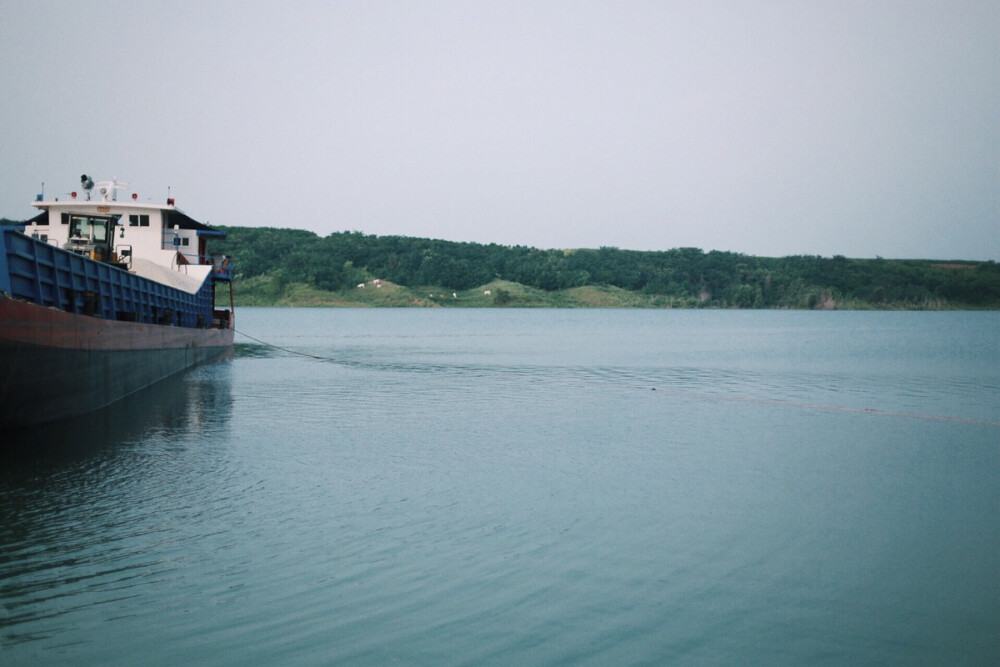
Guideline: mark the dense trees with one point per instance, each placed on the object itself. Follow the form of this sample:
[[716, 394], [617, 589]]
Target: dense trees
[[688, 275]]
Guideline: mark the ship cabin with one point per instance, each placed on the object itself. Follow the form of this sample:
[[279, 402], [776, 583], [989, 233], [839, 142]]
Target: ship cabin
[[131, 235]]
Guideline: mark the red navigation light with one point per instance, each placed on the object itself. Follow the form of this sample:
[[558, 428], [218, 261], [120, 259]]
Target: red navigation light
[[170, 201], [73, 195], [135, 195]]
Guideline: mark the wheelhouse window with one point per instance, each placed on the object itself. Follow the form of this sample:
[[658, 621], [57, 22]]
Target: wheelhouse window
[[138, 220], [87, 227]]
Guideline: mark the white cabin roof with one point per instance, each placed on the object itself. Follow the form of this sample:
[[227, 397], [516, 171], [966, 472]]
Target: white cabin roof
[[176, 216]]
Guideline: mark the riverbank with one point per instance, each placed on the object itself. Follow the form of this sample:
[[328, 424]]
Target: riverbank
[[377, 293], [297, 267]]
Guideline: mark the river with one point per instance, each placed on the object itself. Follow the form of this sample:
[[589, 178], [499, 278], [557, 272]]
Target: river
[[537, 487]]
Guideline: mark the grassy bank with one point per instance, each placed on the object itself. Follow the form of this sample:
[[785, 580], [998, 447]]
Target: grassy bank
[[269, 290]]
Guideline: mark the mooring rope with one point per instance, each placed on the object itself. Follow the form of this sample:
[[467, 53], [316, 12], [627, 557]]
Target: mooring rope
[[734, 398], [284, 349]]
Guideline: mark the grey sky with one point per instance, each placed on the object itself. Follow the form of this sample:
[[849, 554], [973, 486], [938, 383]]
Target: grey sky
[[769, 128]]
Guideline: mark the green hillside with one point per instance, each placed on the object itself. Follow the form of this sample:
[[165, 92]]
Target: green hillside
[[296, 267]]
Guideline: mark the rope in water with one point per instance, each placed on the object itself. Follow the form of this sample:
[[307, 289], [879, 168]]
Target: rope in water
[[284, 349], [734, 398]]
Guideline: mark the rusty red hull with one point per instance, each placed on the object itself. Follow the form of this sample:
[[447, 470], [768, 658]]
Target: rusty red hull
[[55, 365]]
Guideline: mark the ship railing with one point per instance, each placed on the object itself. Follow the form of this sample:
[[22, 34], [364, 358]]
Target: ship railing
[[222, 265]]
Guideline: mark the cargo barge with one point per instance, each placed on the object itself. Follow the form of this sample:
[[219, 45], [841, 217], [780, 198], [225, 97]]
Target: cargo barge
[[100, 298]]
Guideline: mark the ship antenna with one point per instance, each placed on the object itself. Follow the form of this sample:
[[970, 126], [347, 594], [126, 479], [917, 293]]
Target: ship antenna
[[109, 189]]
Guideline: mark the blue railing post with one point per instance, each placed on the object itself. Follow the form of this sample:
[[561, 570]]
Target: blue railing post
[[4, 264]]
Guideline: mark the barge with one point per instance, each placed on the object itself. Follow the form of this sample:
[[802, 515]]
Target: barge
[[100, 298]]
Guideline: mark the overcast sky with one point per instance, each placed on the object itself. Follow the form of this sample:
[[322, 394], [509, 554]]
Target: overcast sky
[[767, 128]]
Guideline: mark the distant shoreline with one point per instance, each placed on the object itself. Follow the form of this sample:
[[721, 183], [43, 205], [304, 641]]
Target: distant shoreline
[[384, 294], [276, 266]]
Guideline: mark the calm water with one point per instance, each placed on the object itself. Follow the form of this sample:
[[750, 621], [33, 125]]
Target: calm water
[[526, 487]]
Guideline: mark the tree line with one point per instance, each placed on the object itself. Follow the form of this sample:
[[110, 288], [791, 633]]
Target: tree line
[[687, 275]]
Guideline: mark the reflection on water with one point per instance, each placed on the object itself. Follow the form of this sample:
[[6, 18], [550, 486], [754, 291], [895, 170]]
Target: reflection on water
[[253, 350], [73, 496], [180, 403]]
